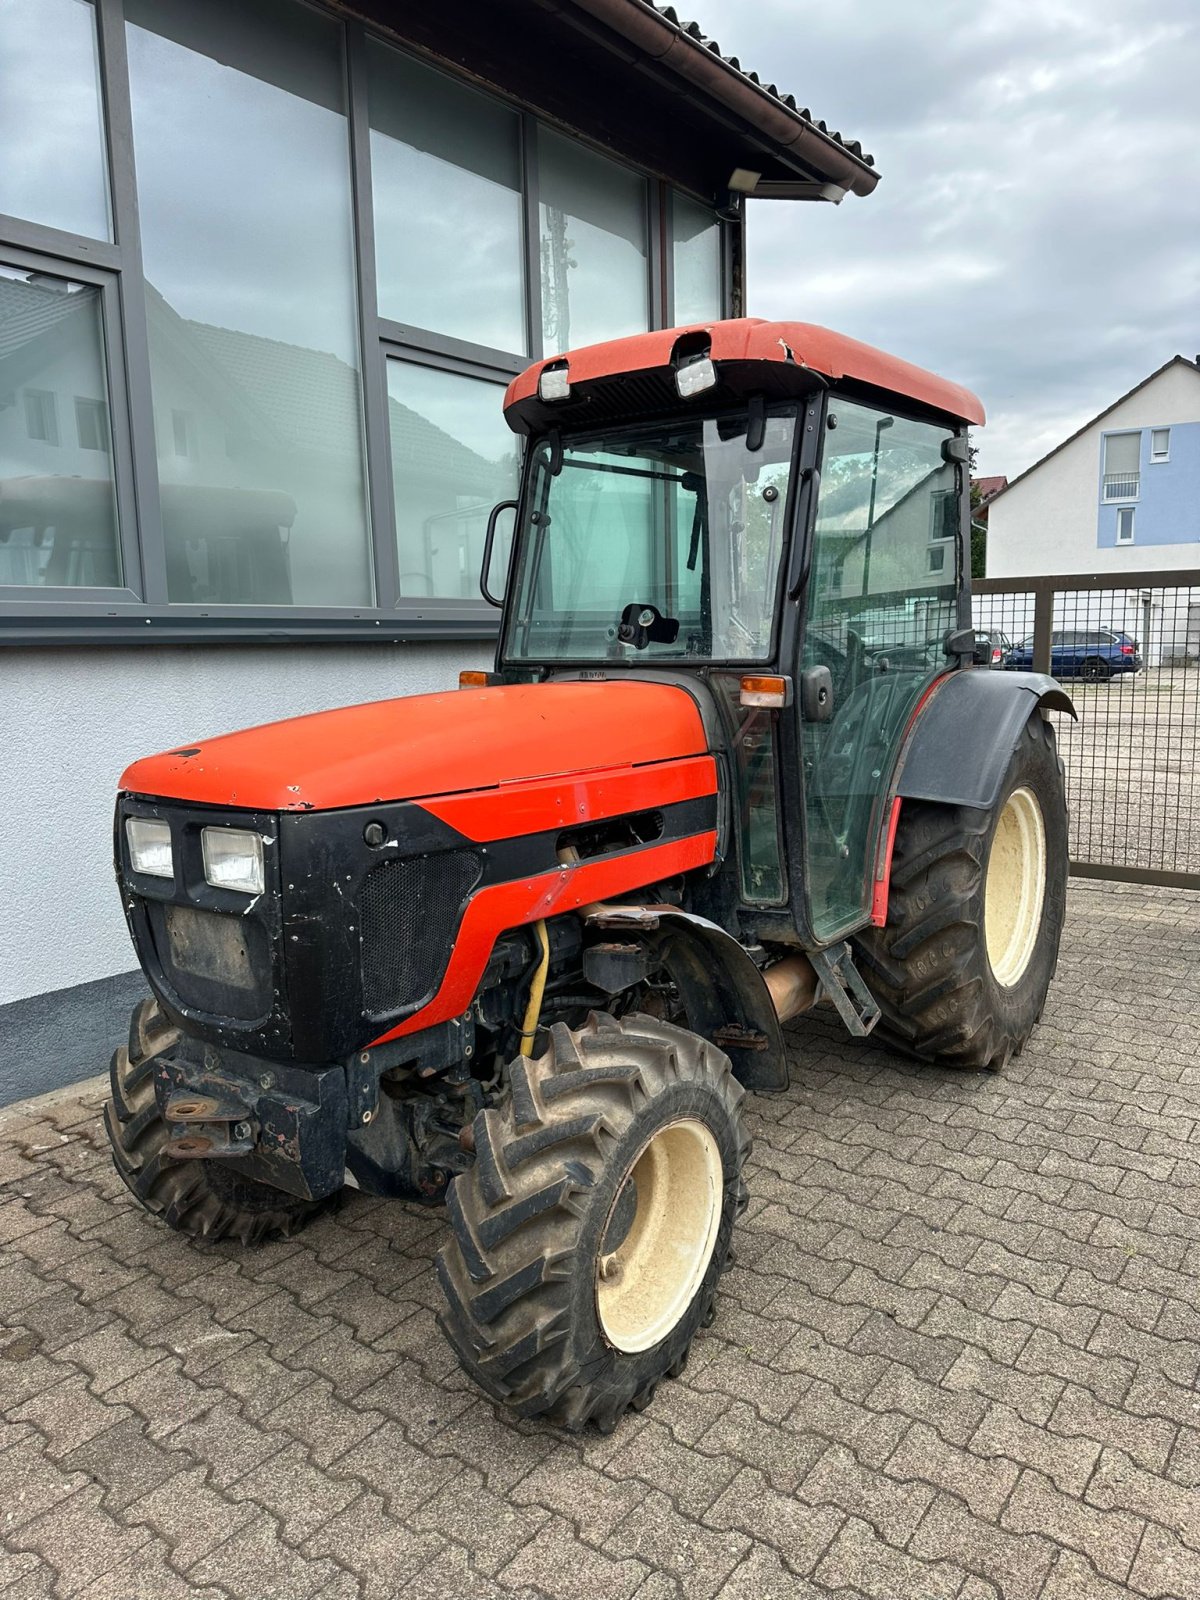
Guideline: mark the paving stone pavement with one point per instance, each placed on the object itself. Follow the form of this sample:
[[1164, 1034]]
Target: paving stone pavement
[[956, 1357]]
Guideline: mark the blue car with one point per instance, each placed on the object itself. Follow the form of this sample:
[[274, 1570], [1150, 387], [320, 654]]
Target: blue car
[[1096, 654]]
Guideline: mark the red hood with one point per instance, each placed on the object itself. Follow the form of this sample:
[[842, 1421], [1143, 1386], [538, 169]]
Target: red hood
[[428, 744]]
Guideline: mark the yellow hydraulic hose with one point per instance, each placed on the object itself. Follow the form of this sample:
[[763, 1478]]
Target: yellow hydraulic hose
[[536, 990]]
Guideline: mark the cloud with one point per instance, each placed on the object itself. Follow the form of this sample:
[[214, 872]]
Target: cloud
[[1036, 234]]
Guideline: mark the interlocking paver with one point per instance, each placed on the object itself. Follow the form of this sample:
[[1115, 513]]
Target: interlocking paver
[[956, 1355]]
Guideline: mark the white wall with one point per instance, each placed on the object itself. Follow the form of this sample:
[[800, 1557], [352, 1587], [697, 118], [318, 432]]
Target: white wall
[[1045, 523], [70, 722]]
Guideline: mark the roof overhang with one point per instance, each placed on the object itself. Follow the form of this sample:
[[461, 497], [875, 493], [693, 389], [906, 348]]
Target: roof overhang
[[625, 74]]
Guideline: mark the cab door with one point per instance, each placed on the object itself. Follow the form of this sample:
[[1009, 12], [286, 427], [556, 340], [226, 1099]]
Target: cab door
[[881, 592]]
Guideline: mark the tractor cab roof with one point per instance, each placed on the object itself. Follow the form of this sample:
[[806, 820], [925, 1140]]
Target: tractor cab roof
[[636, 375]]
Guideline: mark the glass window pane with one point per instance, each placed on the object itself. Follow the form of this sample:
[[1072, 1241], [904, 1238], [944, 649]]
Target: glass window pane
[[244, 185], [58, 509], [55, 167], [696, 258], [880, 596], [453, 458], [1122, 452], [594, 251], [446, 180], [680, 519]]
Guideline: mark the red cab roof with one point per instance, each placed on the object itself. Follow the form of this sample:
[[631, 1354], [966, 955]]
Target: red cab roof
[[803, 344]]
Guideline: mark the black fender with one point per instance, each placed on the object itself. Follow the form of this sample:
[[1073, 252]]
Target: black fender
[[723, 992], [965, 734]]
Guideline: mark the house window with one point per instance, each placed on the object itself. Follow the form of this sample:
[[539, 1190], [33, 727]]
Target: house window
[[252, 322], [449, 225], [50, 112], [1125, 525], [695, 261], [91, 425], [183, 432], [943, 529], [1160, 444], [59, 523], [594, 246], [453, 458], [41, 416], [1122, 461]]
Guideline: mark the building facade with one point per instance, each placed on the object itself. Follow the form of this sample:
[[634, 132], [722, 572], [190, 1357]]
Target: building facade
[[1121, 495], [265, 269]]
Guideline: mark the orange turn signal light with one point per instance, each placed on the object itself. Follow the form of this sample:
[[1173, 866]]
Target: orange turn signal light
[[772, 692], [473, 680]]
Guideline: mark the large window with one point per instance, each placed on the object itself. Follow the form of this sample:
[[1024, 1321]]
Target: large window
[[696, 261], [594, 246], [446, 171], [250, 302], [453, 458], [264, 278], [54, 167], [58, 508]]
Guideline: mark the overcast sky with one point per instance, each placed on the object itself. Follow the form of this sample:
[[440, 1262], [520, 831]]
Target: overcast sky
[[1036, 234]]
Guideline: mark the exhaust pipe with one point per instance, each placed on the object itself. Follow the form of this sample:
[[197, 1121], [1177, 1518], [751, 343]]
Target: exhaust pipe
[[793, 986]]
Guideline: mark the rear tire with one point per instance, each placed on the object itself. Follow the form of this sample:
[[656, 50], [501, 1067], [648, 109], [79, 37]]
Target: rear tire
[[975, 915], [201, 1198], [575, 1284], [1096, 670]]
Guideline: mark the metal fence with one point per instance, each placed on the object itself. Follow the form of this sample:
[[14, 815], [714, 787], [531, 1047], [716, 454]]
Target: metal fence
[[1127, 650]]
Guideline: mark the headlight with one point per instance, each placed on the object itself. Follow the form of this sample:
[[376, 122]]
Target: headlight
[[695, 376], [149, 847], [233, 859]]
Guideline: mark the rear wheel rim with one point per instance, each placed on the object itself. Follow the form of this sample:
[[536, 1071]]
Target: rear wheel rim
[[1016, 887], [648, 1276]]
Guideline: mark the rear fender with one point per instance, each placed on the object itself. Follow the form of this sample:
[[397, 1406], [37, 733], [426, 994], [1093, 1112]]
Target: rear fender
[[965, 734], [722, 990]]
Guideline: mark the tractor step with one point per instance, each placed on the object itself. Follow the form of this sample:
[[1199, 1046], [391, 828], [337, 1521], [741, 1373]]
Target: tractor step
[[842, 982]]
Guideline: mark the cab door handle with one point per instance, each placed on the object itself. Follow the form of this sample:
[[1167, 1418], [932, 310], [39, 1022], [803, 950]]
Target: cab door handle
[[810, 485]]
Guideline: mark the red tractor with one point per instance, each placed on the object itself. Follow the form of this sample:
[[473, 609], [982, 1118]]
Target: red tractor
[[520, 948]]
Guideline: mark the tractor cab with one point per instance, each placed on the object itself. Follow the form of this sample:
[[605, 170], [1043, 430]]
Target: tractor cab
[[779, 516]]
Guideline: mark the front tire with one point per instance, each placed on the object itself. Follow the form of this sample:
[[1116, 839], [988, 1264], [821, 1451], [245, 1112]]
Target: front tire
[[201, 1198], [975, 915], [592, 1230]]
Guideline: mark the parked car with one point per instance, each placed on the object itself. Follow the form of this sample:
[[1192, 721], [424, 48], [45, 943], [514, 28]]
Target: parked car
[[1096, 654], [1001, 645]]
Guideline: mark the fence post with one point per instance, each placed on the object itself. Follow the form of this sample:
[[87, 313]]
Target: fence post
[[1043, 626]]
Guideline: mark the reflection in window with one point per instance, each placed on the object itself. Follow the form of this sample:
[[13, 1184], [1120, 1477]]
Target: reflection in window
[[50, 111], [91, 424], [593, 246], [881, 594], [453, 458], [58, 513], [41, 416], [244, 190], [696, 260], [446, 179]]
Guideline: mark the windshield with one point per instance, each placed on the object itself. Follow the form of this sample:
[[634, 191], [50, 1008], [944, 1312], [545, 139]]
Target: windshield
[[656, 542]]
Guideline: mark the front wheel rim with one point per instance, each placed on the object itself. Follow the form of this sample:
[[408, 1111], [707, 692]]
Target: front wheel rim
[[1016, 887], [648, 1277]]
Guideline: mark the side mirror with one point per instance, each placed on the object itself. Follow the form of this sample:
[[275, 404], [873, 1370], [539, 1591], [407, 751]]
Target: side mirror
[[485, 573]]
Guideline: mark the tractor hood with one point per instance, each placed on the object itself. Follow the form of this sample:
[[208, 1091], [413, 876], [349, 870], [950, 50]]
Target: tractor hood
[[429, 744]]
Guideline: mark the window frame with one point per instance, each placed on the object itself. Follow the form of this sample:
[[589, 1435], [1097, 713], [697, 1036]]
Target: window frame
[[140, 611], [1131, 512], [1154, 459]]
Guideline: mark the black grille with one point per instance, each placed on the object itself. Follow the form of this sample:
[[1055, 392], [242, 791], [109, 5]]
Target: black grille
[[410, 911]]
